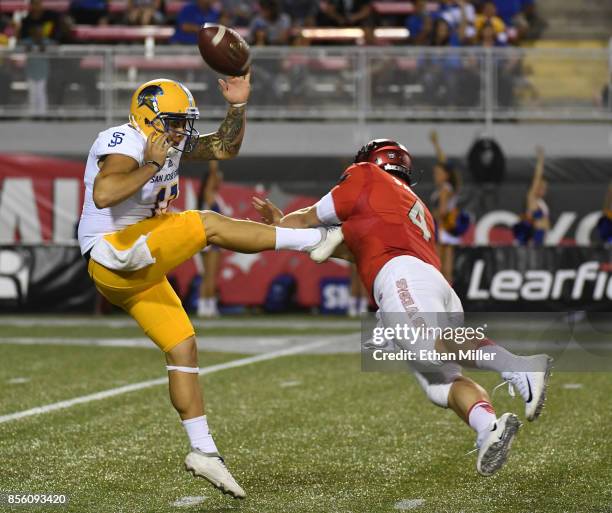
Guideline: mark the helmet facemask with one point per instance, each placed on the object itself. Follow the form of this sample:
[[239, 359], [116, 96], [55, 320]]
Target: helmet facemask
[[179, 124]]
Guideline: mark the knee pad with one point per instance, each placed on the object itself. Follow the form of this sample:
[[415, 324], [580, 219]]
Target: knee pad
[[436, 392]]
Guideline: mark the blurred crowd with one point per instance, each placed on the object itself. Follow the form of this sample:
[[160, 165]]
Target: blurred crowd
[[278, 22], [436, 79]]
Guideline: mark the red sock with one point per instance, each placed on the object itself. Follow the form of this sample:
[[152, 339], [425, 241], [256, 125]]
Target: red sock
[[481, 415], [485, 342]]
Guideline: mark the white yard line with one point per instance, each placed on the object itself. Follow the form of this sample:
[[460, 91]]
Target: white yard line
[[188, 501], [227, 344], [112, 392], [336, 344], [258, 344], [224, 322], [406, 504]]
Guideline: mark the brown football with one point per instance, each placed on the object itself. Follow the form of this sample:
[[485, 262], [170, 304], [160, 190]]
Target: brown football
[[224, 50]]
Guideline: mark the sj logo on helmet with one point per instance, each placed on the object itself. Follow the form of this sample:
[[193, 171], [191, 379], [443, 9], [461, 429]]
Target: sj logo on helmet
[[148, 97]]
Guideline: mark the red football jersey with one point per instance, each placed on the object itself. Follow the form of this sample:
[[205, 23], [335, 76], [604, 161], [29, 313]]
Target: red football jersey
[[382, 218]]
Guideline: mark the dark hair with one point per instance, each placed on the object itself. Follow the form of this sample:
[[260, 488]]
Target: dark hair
[[434, 32], [271, 5]]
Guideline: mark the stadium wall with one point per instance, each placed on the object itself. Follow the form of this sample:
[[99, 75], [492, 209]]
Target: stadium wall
[[336, 139], [52, 278]]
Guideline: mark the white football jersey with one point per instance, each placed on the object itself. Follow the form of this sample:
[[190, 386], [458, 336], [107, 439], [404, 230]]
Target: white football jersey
[[152, 199]]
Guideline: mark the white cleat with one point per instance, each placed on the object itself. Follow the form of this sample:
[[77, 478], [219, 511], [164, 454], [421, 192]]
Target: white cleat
[[211, 467], [494, 448], [531, 384], [331, 238]]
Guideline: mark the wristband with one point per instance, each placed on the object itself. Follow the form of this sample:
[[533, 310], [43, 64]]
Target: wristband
[[238, 105], [156, 164]]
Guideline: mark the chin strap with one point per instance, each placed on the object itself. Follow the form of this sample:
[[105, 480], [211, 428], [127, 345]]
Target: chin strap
[[189, 370]]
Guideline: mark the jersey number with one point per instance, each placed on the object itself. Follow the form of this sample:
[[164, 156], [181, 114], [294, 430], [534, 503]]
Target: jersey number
[[163, 200], [417, 216]]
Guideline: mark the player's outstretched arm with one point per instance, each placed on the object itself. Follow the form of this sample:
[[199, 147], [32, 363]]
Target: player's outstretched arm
[[226, 141], [303, 218], [435, 140], [271, 214], [538, 176]]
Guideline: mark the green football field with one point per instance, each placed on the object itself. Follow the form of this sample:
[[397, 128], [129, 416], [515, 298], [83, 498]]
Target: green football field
[[302, 432]]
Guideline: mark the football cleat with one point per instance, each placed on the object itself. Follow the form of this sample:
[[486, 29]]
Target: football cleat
[[211, 467], [531, 384], [493, 449], [331, 238]]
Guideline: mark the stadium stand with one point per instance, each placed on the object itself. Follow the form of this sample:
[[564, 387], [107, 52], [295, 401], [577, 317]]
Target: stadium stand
[[412, 21], [568, 19]]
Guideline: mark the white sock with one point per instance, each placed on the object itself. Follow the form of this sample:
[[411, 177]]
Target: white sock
[[199, 436], [501, 360], [297, 239], [363, 305], [212, 305], [202, 306], [352, 306], [480, 418]]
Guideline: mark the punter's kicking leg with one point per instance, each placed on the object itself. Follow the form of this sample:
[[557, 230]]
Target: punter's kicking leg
[[251, 237]]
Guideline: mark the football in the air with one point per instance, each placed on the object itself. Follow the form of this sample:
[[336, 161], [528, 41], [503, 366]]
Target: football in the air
[[224, 50]]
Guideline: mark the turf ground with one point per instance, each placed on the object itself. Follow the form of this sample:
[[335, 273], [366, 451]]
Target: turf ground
[[303, 433]]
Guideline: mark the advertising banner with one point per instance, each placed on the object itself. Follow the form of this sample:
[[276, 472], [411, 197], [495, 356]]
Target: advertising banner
[[534, 279]]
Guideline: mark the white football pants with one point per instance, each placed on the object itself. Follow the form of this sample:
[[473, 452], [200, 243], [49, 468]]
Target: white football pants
[[406, 287]]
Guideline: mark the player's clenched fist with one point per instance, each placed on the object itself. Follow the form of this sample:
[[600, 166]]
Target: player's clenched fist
[[157, 148]]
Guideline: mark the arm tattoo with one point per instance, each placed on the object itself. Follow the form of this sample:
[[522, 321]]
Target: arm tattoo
[[225, 142]]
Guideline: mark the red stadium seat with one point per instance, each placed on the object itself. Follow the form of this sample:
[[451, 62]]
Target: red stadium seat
[[165, 62], [118, 33], [393, 8], [353, 34], [399, 8], [115, 33], [317, 63], [174, 7], [9, 6], [406, 63], [22, 5]]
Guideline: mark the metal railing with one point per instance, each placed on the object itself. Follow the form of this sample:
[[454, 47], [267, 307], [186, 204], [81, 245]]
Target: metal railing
[[326, 83]]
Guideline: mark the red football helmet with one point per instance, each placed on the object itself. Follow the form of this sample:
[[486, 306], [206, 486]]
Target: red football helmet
[[389, 155]]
